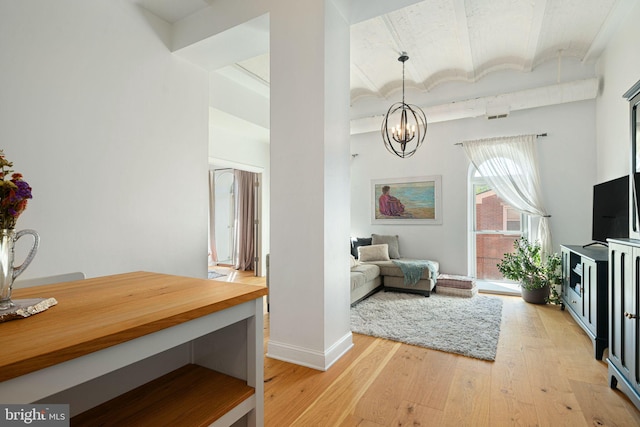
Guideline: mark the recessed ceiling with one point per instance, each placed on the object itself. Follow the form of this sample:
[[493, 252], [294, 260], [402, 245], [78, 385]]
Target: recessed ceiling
[[456, 47], [455, 40]]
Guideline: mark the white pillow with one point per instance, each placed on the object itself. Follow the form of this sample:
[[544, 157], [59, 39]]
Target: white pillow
[[373, 253], [354, 262]]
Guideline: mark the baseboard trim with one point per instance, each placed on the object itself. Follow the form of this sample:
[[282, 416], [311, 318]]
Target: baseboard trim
[[320, 361]]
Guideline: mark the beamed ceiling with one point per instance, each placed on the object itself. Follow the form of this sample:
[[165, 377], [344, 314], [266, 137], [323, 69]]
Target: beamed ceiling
[[467, 57]]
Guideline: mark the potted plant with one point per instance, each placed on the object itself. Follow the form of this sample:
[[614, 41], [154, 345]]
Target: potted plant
[[537, 277]]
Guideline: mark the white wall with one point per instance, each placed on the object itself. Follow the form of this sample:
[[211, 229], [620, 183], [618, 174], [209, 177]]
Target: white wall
[[620, 68], [110, 130], [567, 163]]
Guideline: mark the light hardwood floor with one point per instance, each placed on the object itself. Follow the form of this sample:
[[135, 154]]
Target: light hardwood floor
[[544, 375]]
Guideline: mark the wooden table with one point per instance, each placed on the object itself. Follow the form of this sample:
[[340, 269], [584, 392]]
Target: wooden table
[[162, 346]]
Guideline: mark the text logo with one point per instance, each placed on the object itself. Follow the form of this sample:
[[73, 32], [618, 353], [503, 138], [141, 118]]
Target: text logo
[[34, 415]]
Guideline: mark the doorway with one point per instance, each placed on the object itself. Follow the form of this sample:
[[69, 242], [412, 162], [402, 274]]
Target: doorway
[[234, 219]]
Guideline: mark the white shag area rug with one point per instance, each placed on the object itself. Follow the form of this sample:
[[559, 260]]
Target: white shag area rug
[[466, 326]]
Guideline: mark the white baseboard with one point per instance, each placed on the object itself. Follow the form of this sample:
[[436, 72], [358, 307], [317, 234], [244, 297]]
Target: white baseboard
[[321, 361]]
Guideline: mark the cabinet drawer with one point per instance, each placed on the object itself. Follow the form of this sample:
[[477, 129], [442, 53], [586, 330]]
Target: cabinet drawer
[[573, 300]]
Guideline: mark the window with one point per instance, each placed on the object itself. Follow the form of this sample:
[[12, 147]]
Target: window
[[495, 225]]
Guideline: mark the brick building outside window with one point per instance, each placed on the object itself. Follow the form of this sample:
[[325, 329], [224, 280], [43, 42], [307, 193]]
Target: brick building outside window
[[497, 226]]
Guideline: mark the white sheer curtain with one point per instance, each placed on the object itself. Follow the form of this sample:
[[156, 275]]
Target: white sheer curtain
[[510, 166]]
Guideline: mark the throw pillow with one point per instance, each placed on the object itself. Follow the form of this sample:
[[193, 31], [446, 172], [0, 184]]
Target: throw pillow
[[354, 262], [373, 253], [357, 242], [392, 241]]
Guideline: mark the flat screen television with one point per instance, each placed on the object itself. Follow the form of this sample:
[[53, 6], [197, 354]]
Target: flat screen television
[[610, 210]]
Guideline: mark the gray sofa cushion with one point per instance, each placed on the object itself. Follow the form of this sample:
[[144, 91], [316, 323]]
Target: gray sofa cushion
[[357, 280], [392, 241], [365, 279], [368, 271]]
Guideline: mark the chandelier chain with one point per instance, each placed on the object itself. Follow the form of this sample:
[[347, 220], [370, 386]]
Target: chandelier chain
[[403, 82]]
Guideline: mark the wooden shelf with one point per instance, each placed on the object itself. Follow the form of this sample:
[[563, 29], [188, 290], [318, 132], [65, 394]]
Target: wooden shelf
[[191, 395]]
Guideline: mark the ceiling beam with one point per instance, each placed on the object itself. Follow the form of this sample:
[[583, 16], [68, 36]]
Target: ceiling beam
[[463, 36], [220, 16], [414, 74], [579, 90], [356, 11], [534, 34], [244, 41]]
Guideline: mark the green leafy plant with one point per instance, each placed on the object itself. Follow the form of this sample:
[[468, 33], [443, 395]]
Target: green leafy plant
[[526, 266]]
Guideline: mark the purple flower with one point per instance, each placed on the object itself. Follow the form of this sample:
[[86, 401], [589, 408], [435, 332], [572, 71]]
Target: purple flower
[[24, 190]]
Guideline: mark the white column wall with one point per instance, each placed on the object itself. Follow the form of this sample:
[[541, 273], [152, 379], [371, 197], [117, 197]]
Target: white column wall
[[307, 125], [337, 196]]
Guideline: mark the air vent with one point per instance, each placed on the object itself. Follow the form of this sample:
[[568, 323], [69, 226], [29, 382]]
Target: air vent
[[497, 116]]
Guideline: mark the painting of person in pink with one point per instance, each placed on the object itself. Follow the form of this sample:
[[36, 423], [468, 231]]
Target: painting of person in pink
[[390, 205]]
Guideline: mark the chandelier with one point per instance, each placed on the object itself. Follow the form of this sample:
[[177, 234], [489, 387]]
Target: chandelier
[[404, 138]]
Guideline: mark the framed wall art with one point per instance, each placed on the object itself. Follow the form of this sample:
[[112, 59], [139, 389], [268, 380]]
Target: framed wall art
[[415, 200]]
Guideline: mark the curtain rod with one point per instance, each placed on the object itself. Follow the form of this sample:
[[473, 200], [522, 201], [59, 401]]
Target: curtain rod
[[537, 136]]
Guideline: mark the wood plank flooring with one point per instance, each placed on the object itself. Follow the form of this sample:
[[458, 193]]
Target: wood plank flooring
[[544, 375], [232, 275]]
